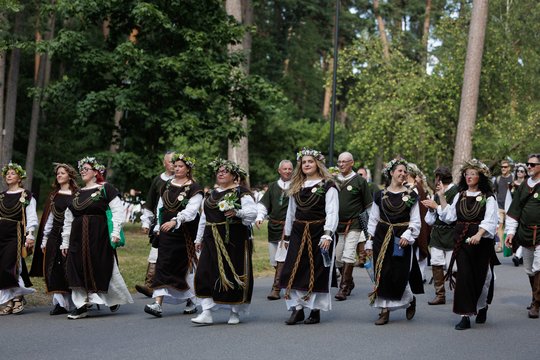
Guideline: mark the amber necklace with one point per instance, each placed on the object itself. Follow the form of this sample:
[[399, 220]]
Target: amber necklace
[[9, 212]]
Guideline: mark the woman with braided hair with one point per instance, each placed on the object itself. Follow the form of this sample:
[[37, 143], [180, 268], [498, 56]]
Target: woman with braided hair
[[18, 220], [475, 209], [394, 224], [64, 187], [91, 264], [310, 225], [178, 209], [224, 277]]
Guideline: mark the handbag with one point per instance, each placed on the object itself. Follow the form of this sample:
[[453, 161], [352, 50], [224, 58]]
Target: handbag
[[110, 227]]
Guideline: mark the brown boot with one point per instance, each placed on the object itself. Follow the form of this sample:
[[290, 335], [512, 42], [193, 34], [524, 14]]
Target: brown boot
[[275, 292], [345, 286], [146, 289], [384, 316], [438, 281], [531, 282], [535, 307], [361, 253]]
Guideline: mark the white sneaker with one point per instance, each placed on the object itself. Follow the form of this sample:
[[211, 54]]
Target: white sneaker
[[153, 309], [205, 318], [233, 319]]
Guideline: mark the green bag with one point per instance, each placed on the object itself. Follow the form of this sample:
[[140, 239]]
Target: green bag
[[506, 250], [110, 226]]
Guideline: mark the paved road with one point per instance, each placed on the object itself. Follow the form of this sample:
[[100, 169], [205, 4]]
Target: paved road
[[347, 332]]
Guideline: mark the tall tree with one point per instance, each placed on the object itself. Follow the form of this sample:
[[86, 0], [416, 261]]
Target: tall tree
[[471, 85]]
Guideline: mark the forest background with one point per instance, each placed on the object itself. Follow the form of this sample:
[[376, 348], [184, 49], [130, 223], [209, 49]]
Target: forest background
[[126, 80]]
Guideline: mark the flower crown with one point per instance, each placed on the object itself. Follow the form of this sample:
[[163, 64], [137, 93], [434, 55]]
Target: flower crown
[[392, 164], [190, 162], [476, 165], [16, 167], [310, 152], [93, 162], [230, 166]]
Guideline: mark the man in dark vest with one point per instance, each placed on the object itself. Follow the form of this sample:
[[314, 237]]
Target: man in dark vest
[[273, 205], [148, 220], [442, 234], [355, 197], [523, 225]]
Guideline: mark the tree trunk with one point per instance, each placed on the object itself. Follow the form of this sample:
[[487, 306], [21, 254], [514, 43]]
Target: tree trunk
[[11, 96], [425, 33], [2, 91], [242, 11], [382, 30], [328, 91], [471, 84]]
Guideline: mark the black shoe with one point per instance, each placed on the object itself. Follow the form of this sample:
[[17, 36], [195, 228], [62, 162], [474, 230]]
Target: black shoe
[[481, 316], [314, 317], [58, 310], [411, 310], [515, 260], [79, 313], [464, 324], [296, 316], [114, 308]]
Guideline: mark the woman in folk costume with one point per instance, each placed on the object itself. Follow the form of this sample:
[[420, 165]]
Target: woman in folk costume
[[394, 224], [475, 209], [310, 225], [18, 220], [224, 277], [178, 209], [54, 264], [92, 269]]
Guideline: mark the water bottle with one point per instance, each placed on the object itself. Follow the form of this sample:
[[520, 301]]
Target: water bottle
[[368, 265], [326, 257]]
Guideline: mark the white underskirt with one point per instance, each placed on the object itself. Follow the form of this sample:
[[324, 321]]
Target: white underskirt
[[391, 305], [63, 300], [209, 304], [317, 301], [12, 293], [173, 296], [117, 294]]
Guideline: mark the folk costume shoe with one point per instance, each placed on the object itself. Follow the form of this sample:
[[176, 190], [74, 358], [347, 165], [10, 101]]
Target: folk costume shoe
[[78, 313], [438, 281], [275, 292], [411, 310], [296, 317], [205, 318], [146, 289], [464, 324], [384, 317], [314, 317], [481, 317]]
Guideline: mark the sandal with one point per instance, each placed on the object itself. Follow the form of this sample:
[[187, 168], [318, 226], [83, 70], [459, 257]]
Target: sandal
[[18, 306], [7, 309]]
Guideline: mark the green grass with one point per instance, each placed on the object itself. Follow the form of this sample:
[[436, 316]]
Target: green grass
[[133, 261]]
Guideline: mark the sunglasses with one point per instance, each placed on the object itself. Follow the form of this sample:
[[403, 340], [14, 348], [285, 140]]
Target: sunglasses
[[505, 166], [521, 171], [532, 164]]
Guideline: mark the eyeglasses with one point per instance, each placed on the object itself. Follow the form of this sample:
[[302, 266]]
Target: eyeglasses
[[343, 162], [85, 169], [532, 164]]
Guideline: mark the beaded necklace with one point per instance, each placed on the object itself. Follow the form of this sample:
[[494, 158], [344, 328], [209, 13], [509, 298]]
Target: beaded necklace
[[470, 213], [9, 212], [81, 205], [213, 203], [176, 203], [316, 192], [391, 209]]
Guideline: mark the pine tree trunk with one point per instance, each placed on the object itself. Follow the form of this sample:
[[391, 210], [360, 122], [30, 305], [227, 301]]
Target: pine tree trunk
[[382, 30], [11, 96], [471, 85], [425, 32], [242, 11]]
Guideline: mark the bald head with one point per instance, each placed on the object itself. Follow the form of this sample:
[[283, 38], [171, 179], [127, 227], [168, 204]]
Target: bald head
[[345, 163]]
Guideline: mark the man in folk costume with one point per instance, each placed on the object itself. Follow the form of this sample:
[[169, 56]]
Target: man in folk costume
[[523, 226], [442, 234], [148, 220], [274, 205], [354, 198]]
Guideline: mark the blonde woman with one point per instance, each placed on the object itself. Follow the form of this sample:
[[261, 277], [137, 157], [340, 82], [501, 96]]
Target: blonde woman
[[310, 225]]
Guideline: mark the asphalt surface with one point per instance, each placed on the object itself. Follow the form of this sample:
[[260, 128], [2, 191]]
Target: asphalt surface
[[346, 332]]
